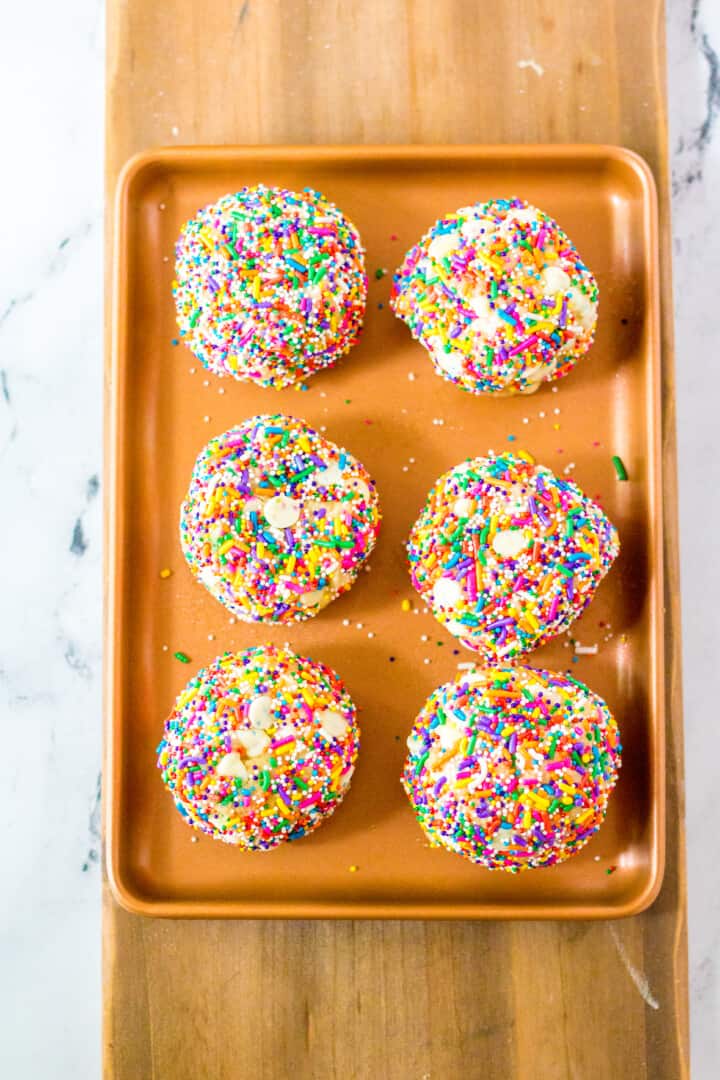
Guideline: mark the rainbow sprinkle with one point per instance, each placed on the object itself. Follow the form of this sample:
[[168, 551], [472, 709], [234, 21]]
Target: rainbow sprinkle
[[270, 285], [512, 767], [278, 520], [507, 555], [499, 297], [260, 747]]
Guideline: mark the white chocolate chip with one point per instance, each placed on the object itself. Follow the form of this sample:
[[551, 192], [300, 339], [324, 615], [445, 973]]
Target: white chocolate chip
[[260, 711], [254, 743], [332, 724], [281, 511], [231, 765], [331, 474], [447, 591], [464, 507], [442, 245], [510, 542], [583, 308], [448, 734], [312, 599], [473, 227], [452, 361], [554, 280]]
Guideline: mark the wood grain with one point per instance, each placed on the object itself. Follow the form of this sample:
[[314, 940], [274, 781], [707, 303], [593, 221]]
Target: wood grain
[[391, 999]]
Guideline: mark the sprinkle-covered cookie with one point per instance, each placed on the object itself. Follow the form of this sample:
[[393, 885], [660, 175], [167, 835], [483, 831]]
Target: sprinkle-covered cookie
[[278, 520], [270, 285], [507, 555], [260, 747], [499, 297], [512, 767]]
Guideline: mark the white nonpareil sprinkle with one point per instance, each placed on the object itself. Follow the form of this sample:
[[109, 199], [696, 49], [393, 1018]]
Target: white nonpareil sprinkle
[[585, 650]]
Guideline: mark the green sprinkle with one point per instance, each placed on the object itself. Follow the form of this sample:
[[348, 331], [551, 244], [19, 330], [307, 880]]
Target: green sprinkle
[[182, 657], [264, 780], [421, 762], [620, 469], [194, 317], [380, 273]]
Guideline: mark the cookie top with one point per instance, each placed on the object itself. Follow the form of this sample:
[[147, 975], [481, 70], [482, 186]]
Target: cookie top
[[512, 767], [260, 747], [507, 555], [499, 296], [278, 519], [270, 285]]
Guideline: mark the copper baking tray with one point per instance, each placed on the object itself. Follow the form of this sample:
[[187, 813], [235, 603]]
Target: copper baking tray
[[385, 404]]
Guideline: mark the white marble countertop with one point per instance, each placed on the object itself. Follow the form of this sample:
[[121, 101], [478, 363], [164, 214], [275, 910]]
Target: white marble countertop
[[51, 85]]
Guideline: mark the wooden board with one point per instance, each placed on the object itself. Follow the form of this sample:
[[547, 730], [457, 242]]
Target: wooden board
[[355, 999]]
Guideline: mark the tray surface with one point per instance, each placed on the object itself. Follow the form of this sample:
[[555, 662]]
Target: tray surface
[[604, 198]]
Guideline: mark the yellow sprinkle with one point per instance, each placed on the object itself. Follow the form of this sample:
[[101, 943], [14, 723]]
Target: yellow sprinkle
[[526, 457], [406, 605], [304, 444], [221, 551], [353, 869], [527, 818], [290, 564], [494, 263], [256, 287], [165, 573]]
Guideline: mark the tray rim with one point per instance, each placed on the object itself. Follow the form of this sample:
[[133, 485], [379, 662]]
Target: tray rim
[[131, 899]]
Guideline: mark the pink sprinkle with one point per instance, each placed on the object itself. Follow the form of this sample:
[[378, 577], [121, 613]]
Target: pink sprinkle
[[282, 742], [553, 608], [522, 345], [566, 762]]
